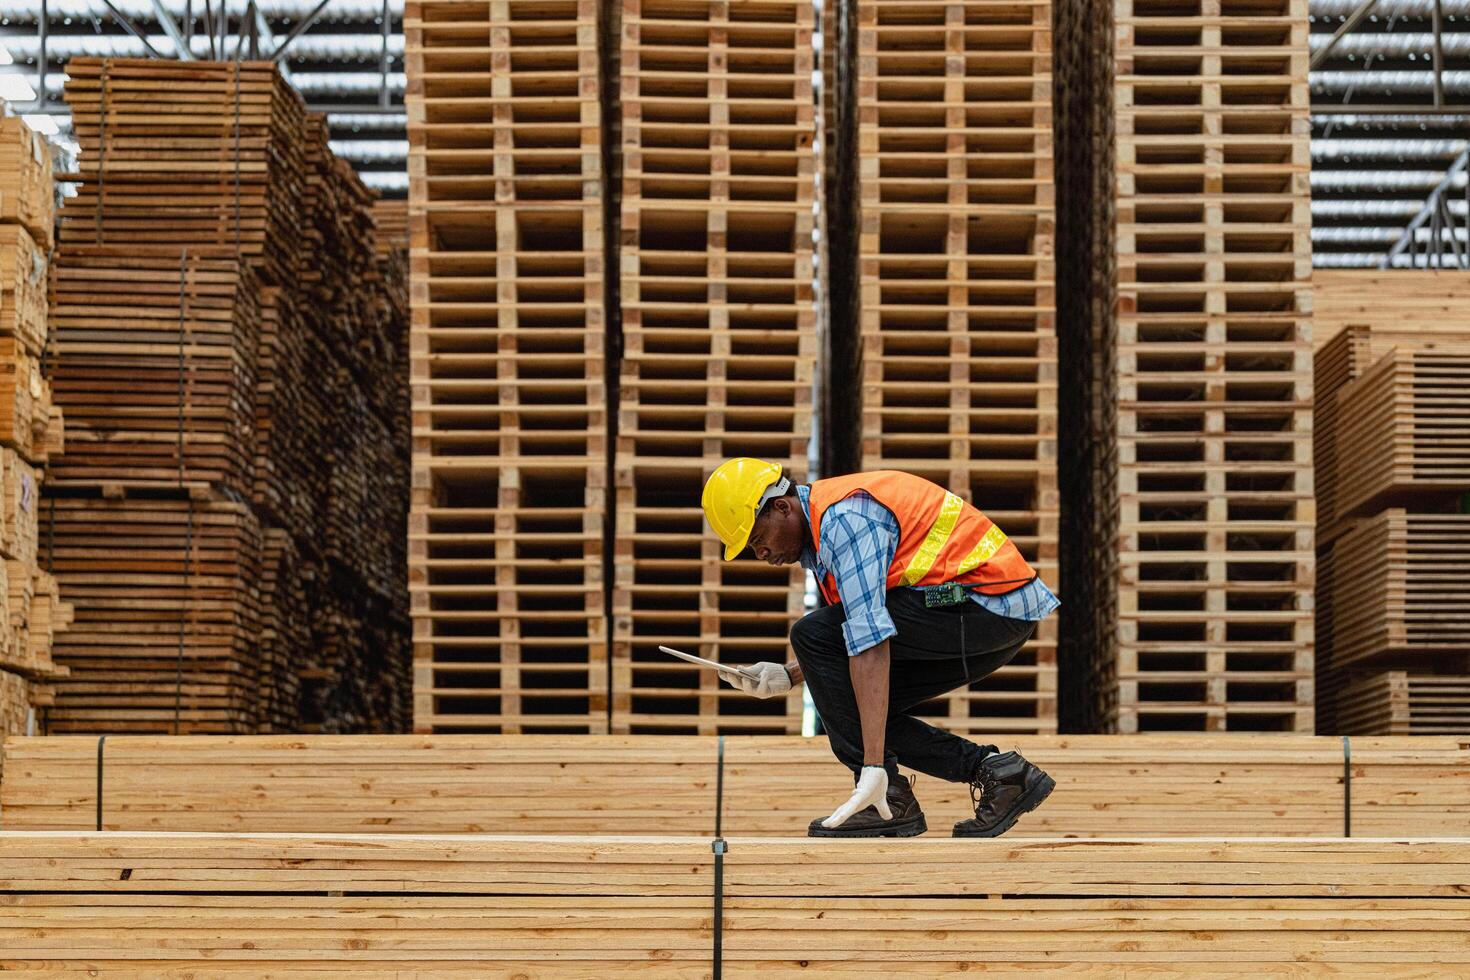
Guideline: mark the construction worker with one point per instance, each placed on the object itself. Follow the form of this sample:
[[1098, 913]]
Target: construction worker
[[925, 594]]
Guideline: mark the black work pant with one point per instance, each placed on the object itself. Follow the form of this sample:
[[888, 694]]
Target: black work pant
[[925, 662]]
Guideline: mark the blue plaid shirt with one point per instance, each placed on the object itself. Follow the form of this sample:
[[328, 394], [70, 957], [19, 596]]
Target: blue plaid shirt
[[859, 539]]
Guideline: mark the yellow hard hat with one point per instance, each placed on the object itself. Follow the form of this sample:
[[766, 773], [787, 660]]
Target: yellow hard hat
[[732, 495]]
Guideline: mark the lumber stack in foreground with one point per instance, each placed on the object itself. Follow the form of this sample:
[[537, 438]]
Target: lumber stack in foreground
[[232, 347], [1222, 786], [239, 905], [30, 430]]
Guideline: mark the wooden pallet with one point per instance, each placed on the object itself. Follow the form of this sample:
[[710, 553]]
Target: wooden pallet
[[718, 335], [954, 239], [236, 905], [510, 478], [1197, 402]]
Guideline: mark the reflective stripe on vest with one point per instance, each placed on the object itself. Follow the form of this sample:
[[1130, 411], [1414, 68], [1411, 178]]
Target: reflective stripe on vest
[[934, 541]]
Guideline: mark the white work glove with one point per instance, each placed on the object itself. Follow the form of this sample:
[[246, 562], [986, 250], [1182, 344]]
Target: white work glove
[[871, 790], [762, 680]]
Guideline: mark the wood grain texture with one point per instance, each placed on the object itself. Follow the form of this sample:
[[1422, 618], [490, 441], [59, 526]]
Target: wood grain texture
[[1221, 785]]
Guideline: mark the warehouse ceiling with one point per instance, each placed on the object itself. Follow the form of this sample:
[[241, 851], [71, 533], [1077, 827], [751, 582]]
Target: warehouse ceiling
[[1391, 108], [1390, 129], [336, 52]]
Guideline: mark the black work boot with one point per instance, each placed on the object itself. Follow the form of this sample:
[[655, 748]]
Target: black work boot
[[1004, 787], [908, 819]]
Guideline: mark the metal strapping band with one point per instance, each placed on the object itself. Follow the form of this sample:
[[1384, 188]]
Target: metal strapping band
[[102, 154], [188, 501], [1347, 787], [939, 532], [101, 741], [237, 160], [718, 846]]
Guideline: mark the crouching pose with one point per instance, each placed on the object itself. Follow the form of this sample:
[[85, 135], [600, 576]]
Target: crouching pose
[[925, 595]]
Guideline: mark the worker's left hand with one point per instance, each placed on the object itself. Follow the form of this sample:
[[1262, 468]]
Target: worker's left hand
[[871, 790]]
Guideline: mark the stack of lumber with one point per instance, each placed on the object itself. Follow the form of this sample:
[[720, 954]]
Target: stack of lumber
[[30, 429], [509, 426], [27, 192], [1218, 785], [391, 217], [1189, 337], [718, 344], [233, 349], [950, 235], [1393, 472], [1396, 702], [224, 164], [1411, 300], [285, 905]]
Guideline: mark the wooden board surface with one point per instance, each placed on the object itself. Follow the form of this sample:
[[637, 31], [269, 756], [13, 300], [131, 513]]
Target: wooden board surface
[[1221, 785], [564, 906]]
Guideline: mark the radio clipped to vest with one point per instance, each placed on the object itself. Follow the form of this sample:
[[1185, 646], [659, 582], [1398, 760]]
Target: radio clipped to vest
[[948, 594]]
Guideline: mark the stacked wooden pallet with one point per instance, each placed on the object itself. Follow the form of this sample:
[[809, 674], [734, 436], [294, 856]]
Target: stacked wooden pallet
[[1216, 785], [1195, 508], [955, 222], [719, 344], [234, 351], [30, 429], [508, 335], [562, 907], [1393, 468]]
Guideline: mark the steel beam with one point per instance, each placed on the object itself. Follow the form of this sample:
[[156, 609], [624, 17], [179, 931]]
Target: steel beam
[[300, 29], [171, 28], [127, 24], [1348, 26], [42, 61], [1429, 210]]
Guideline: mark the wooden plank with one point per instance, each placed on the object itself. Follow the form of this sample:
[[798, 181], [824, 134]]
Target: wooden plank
[[1107, 786]]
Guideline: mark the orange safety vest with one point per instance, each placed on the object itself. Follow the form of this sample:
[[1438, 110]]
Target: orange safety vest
[[940, 539]]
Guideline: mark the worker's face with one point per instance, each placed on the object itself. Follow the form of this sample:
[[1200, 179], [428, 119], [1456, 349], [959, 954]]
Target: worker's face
[[776, 537]]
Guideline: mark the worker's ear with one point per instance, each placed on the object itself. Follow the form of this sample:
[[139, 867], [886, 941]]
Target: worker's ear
[[782, 505]]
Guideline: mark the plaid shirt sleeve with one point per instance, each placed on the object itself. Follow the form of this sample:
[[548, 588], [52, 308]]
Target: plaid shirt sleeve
[[859, 538]]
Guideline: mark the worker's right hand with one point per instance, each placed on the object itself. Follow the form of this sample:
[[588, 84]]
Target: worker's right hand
[[762, 680]]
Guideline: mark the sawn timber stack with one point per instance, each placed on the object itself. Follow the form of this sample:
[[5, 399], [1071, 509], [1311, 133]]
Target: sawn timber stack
[[234, 349]]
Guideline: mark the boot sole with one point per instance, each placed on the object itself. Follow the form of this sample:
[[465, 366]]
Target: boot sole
[[909, 828], [1024, 805]]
